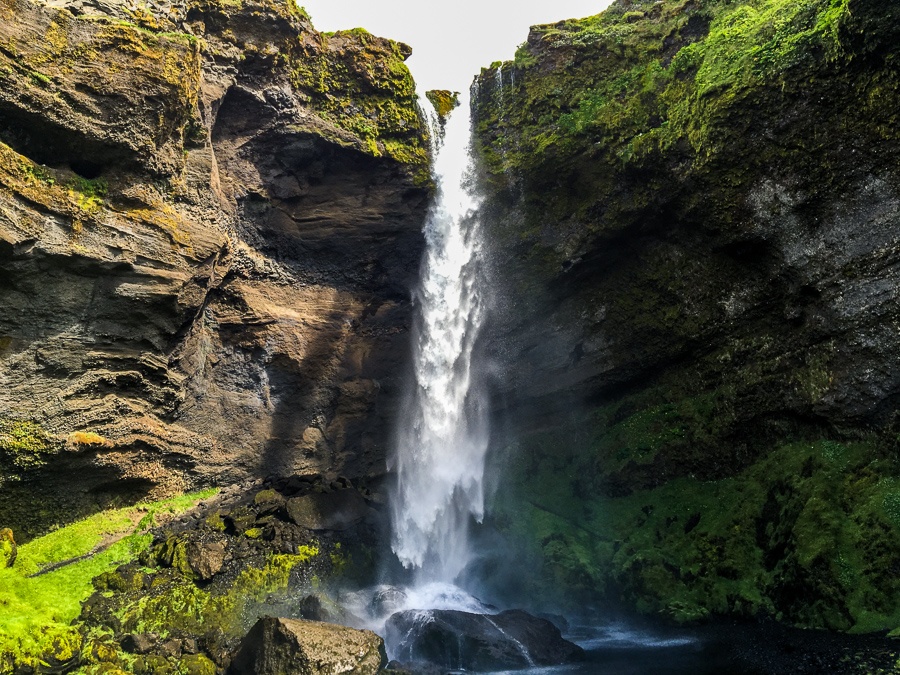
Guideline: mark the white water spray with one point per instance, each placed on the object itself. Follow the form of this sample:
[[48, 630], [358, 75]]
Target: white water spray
[[442, 441]]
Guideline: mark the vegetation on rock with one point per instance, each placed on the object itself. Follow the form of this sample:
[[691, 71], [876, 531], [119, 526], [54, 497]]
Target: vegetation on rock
[[41, 594], [667, 178], [361, 83], [444, 101]]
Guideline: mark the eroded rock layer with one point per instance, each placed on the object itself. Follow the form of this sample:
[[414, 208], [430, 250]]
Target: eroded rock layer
[[695, 209], [210, 217]]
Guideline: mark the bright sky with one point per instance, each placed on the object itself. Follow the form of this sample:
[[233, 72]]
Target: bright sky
[[451, 39]]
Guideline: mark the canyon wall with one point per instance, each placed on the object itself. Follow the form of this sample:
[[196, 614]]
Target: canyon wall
[[693, 210], [210, 219]]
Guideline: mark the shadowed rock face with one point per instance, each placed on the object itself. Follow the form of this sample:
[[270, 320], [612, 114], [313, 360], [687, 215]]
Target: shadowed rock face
[[205, 256], [696, 270]]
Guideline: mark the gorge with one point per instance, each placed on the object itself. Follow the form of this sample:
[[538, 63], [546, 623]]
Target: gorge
[[646, 389]]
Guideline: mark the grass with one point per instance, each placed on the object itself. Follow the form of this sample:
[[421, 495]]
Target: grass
[[36, 614]]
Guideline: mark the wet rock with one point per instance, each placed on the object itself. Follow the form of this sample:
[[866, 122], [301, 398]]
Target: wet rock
[[452, 639], [293, 647], [398, 668], [338, 510], [557, 620], [387, 600]]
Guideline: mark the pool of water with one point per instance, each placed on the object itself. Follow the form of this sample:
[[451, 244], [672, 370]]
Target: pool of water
[[618, 650]]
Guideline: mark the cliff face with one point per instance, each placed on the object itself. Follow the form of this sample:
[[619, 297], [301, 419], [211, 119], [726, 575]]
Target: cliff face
[[209, 221], [694, 211]]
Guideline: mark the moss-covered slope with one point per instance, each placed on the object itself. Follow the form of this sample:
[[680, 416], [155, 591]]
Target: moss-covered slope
[[693, 212]]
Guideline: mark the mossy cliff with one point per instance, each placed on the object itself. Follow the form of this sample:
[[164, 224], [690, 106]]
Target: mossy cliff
[[693, 209], [210, 217]]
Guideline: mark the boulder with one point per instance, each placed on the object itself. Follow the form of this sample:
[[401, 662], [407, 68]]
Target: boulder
[[453, 639], [337, 510], [205, 558], [294, 647], [139, 643]]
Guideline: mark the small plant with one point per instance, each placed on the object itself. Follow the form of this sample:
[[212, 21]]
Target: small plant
[[88, 439], [88, 194]]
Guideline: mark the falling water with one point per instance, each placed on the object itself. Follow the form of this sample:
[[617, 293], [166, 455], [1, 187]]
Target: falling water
[[442, 441]]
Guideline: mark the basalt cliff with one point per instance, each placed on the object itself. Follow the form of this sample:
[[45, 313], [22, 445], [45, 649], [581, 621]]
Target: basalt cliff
[[210, 219], [692, 214]]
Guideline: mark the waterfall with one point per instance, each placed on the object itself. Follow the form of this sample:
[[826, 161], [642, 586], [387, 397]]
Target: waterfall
[[442, 440]]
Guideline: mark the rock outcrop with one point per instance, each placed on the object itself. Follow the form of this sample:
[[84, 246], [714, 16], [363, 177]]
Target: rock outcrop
[[693, 215], [293, 647], [210, 217]]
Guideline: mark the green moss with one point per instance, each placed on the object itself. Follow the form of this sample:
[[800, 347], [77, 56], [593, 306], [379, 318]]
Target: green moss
[[177, 604], [361, 84], [8, 549], [444, 102], [24, 445], [804, 534], [40, 79], [648, 94], [89, 194], [36, 612]]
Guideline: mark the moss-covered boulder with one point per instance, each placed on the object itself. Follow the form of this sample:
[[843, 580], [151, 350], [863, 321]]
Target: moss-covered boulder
[[691, 207], [443, 101]]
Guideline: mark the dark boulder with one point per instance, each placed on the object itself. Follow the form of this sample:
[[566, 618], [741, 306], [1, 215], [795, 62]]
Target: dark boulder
[[452, 639]]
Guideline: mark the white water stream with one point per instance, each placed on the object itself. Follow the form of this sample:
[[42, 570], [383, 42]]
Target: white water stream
[[442, 440]]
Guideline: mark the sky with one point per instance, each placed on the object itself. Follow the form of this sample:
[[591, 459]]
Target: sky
[[451, 39]]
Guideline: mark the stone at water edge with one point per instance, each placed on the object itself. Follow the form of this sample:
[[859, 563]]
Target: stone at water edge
[[294, 647], [8, 548], [453, 639]]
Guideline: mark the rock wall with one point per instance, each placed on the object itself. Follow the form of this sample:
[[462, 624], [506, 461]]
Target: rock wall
[[210, 218], [694, 210]]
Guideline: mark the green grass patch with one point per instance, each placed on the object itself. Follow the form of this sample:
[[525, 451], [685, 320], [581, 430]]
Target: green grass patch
[[36, 614]]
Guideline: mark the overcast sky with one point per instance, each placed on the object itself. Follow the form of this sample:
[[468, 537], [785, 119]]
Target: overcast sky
[[451, 39]]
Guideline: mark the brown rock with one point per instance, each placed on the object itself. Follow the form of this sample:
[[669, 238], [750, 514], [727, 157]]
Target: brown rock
[[205, 558], [138, 643], [295, 647], [229, 261]]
